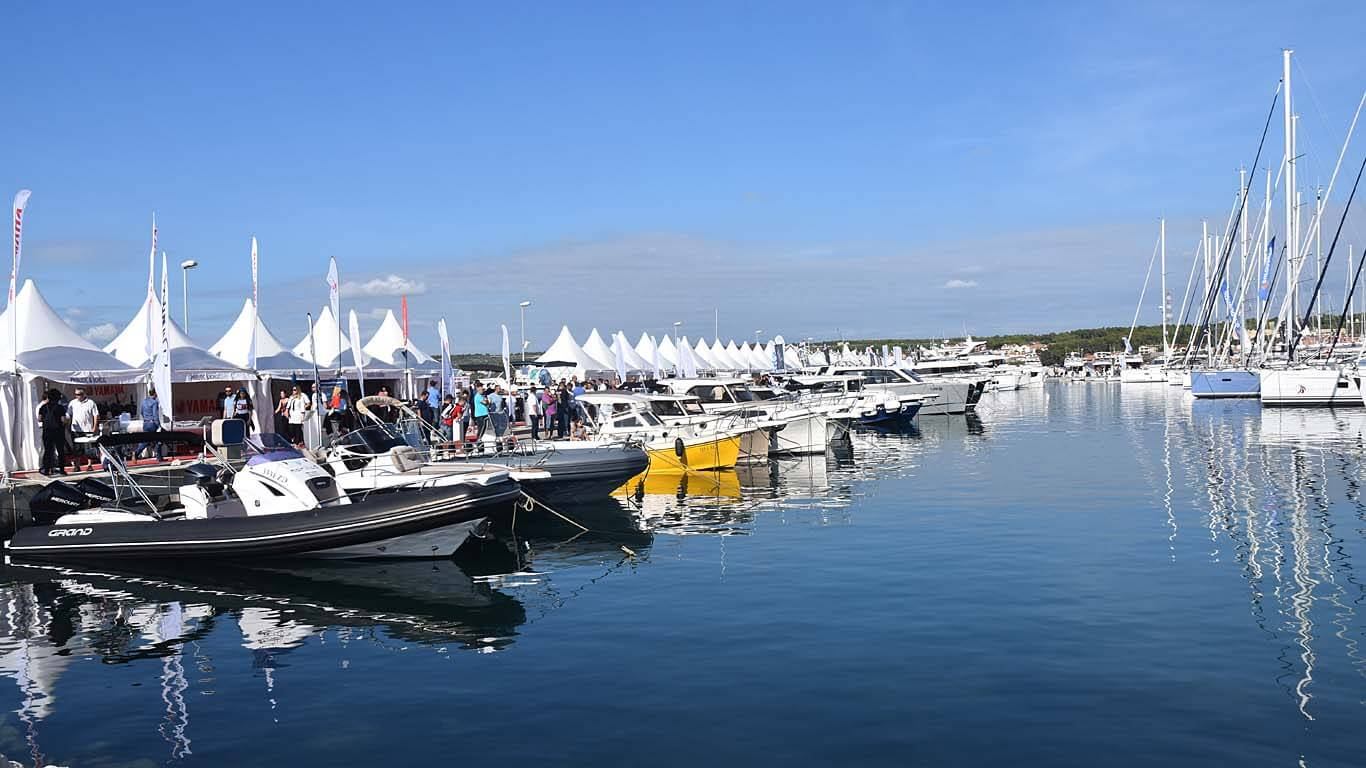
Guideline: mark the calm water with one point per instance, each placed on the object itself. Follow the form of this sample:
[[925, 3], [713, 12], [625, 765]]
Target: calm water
[[1083, 575]]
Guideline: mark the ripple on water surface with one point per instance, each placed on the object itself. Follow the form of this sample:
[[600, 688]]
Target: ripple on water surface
[[1080, 574]]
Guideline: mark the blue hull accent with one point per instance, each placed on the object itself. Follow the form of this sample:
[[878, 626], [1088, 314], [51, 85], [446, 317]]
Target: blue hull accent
[[1230, 383], [890, 422]]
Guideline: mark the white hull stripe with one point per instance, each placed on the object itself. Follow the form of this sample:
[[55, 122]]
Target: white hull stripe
[[398, 515]]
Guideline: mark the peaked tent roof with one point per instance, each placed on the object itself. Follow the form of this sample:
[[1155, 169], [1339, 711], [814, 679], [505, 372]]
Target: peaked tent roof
[[668, 353], [48, 347], [387, 345], [189, 361], [271, 356], [566, 353], [598, 349], [687, 361], [723, 358], [327, 335], [702, 357], [633, 359]]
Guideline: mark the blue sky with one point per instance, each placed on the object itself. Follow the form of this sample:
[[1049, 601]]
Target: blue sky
[[810, 169]]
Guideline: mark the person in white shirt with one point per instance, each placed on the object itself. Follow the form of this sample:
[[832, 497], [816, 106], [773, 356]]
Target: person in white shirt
[[83, 416], [298, 409]]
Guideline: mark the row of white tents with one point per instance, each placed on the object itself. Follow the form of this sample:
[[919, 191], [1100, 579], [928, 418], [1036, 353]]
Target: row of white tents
[[651, 356], [41, 350]]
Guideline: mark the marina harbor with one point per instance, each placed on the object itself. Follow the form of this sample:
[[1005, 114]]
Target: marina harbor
[[700, 384]]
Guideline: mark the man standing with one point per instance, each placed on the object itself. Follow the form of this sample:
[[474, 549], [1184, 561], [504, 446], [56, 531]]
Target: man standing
[[434, 396], [84, 417], [533, 412], [150, 413], [481, 413], [299, 407], [498, 414], [52, 420]]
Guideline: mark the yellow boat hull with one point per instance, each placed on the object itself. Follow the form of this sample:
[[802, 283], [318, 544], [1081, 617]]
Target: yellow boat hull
[[718, 453]]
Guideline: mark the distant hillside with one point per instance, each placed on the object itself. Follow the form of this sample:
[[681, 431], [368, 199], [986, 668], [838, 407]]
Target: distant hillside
[[1060, 344]]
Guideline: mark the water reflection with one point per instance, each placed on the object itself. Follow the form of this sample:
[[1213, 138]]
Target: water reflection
[[1269, 487]]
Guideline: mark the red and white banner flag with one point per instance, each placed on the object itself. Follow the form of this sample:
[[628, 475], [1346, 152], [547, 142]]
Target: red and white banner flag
[[405, 321], [20, 203]]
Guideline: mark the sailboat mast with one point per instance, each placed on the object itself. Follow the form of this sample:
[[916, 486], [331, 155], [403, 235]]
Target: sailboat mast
[[1242, 258], [1318, 248], [1289, 160], [1209, 286], [1162, 246]]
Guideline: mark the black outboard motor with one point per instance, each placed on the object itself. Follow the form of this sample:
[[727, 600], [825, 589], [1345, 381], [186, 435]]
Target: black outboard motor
[[205, 476], [97, 492], [54, 500]]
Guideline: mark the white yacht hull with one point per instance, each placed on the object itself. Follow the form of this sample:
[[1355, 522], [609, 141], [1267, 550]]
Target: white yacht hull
[[803, 435], [1143, 375], [1310, 386]]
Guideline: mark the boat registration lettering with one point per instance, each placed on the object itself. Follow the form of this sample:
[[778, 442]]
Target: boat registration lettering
[[70, 532]]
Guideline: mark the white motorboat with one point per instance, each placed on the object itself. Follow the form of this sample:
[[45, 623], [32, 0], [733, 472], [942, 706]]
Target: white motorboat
[[953, 396], [804, 430]]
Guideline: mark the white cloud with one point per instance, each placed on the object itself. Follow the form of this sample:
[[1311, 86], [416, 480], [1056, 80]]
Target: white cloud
[[392, 285], [961, 284], [102, 332]]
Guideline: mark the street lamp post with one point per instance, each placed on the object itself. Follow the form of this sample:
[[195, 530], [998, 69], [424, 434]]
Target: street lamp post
[[185, 267], [522, 307], [757, 334], [676, 324]]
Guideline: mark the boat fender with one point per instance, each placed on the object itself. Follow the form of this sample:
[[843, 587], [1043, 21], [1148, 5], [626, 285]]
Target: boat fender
[[679, 449]]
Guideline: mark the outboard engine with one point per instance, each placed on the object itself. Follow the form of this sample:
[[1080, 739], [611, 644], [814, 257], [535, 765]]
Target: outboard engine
[[204, 476], [54, 500], [97, 492]]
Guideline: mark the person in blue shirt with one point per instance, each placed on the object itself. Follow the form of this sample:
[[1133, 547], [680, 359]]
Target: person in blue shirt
[[434, 396], [150, 413], [481, 413]]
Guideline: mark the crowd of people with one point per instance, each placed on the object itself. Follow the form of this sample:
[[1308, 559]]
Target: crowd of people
[[464, 417]]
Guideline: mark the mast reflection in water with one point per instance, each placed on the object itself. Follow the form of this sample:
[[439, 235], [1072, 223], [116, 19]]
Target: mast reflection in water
[[1092, 574]]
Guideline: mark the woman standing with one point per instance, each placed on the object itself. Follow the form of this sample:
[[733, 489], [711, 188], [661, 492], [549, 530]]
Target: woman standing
[[242, 409], [282, 413]]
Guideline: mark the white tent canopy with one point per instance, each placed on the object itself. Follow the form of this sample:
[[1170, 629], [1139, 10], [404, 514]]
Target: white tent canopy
[[668, 352], [702, 357], [49, 348], [687, 361], [634, 362], [566, 354], [189, 361], [328, 341], [271, 356], [387, 345], [723, 358], [598, 349]]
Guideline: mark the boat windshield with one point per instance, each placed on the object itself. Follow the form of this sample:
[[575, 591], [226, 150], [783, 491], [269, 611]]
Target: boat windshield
[[677, 408], [910, 375], [373, 440], [265, 448], [755, 394]]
